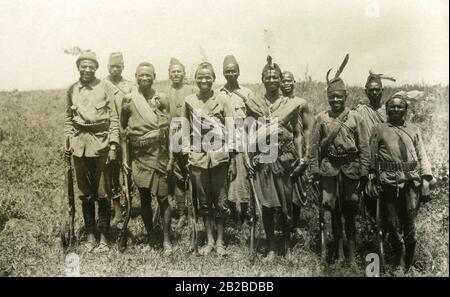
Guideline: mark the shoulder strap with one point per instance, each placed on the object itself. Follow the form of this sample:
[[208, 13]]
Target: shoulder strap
[[334, 132], [240, 95], [410, 137]]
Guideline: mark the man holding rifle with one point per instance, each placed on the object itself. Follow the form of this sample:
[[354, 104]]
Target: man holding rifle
[[115, 68], [340, 159], [274, 115], [92, 127], [239, 189], [404, 174], [287, 88]]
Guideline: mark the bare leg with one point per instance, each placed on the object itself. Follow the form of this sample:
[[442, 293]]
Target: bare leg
[[167, 214]]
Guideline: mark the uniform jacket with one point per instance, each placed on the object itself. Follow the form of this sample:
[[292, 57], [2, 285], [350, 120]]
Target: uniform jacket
[[399, 144], [352, 140], [91, 120], [207, 152]]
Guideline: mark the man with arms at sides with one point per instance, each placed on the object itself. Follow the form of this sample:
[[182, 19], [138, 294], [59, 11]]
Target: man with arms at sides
[[177, 92], [92, 126], [287, 88], [146, 119], [115, 68], [239, 188], [210, 160], [404, 173], [273, 168], [340, 159]]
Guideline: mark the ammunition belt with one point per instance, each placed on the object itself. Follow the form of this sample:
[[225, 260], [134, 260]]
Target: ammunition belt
[[92, 127], [342, 158], [146, 140], [398, 166]]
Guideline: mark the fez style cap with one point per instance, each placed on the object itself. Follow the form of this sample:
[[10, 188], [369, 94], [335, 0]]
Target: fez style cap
[[230, 59], [173, 62], [116, 58]]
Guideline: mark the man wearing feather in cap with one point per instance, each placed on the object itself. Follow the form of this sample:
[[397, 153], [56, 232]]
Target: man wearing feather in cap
[[287, 88], [177, 92], [340, 159], [92, 127], [273, 184], [372, 114], [146, 119], [239, 188], [115, 68], [211, 162], [399, 156]]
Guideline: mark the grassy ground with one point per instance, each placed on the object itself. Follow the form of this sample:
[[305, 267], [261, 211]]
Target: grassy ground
[[33, 205]]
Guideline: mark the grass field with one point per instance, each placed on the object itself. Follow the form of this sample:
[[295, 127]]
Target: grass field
[[33, 205]]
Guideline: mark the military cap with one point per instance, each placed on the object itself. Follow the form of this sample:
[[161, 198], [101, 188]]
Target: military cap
[[336, 83], [173, 62], [230, 59], [116, 58], [271, 66], [376, 78], [87, 55], [205, 65]]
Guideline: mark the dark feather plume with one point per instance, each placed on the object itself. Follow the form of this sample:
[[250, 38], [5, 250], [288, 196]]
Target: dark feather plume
[[328, 73], [269, 61], [341, 68]]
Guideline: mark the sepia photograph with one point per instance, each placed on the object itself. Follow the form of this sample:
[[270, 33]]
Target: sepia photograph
[[250, 139]]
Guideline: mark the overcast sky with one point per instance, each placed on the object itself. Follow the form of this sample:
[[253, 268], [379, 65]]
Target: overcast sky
[[407, 39]]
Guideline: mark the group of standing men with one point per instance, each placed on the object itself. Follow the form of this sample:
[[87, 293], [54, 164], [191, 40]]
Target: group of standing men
[[113, 121]]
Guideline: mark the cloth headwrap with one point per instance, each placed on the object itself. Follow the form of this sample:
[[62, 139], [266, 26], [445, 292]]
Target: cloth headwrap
[[373, 77], [115, 58], [401, 95], [336, 83], [230, 59], [205, 65], [173, 62], [87, 55], [271, 66]]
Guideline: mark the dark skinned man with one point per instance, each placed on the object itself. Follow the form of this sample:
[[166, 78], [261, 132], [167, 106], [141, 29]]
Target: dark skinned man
[[211, 162], [176, 93], [399, 156], [272, 168], [115, 68], [340, 159], [372, 114], [239, 188], [146, 119], [92, 125], [287, 88]]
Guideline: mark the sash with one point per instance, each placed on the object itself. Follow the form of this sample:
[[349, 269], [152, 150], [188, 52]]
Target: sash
[[337, 125], [144, 109]]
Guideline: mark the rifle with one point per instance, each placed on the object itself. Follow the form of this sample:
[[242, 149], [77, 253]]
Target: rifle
[[323, 236], [123, 235], [254, 205], [193, 216], [378, 222], [68, 233]]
